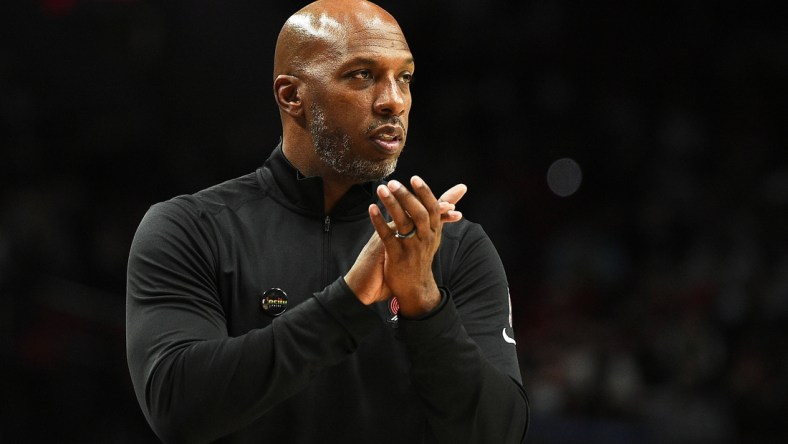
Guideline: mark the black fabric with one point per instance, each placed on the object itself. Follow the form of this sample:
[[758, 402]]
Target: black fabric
[[209, 364]]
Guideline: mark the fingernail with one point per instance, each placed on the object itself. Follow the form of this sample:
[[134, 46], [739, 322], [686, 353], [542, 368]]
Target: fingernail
[[416, 181], [383, 191], [394, 185]]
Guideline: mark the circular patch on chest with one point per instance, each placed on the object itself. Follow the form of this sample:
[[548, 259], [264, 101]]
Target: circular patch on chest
[[274, 301]]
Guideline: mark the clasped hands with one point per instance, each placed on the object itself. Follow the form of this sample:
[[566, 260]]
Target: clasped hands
[[389, 265]]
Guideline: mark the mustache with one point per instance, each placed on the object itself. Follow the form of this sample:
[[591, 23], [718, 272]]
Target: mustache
[[393, 120]]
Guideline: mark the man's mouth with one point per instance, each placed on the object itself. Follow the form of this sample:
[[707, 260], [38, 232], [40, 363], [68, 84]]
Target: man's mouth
[[388, 138]]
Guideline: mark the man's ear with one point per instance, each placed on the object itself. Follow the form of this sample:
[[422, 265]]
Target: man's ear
[[287, 92]]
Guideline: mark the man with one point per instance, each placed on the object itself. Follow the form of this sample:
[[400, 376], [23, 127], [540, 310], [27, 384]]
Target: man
[[282, 307]]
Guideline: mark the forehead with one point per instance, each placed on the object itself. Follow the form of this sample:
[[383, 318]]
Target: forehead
[[382, 45], [375, 35]]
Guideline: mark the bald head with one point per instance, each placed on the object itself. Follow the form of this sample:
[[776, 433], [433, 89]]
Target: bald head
[[323, 30], [342, 73]]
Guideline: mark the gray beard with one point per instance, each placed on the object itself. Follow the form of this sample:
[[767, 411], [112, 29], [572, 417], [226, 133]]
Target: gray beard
[[333, 148]]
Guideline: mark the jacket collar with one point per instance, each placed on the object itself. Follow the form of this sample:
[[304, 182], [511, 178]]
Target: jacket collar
[[306, 193]]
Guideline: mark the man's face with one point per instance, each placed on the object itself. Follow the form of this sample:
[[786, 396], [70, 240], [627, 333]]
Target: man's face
[[360, 100]]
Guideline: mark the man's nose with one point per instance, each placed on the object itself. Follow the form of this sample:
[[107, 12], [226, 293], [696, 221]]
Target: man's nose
[[392, 99]]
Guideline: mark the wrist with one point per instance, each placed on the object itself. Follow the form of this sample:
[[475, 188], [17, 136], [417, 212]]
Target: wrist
[[355, 288], [419, 305]]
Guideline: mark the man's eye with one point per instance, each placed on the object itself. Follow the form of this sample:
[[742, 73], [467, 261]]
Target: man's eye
[[363, 74], [406, 78]]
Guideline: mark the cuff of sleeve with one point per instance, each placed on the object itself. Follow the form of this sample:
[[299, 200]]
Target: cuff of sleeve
[[438, 322], [343, 305]]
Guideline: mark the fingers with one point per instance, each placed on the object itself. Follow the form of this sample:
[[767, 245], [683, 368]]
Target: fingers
[[451, 216], [428, 200], [408, 209], [454, 194], [401, 219], [419, 209], [448, 201], [385, 232]]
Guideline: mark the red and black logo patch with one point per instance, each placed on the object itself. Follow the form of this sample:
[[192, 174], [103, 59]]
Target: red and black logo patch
[[393, 310]]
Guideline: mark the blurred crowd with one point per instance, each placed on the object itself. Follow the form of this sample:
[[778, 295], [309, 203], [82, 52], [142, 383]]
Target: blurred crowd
[[650, 304]]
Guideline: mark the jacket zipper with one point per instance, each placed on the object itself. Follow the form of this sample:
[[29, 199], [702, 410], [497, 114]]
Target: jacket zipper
[[326, 247]]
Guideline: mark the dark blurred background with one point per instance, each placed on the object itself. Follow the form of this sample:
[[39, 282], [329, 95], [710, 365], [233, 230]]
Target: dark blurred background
[[627, 158]]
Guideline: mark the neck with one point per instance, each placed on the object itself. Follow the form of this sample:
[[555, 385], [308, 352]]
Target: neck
[[332, 192], [334, 185]]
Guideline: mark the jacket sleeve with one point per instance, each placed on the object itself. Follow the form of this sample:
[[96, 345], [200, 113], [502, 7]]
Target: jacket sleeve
[[464, 362], [194, 382]]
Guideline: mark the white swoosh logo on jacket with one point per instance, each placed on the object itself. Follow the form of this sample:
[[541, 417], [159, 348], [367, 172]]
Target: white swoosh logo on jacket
[[507, 338]]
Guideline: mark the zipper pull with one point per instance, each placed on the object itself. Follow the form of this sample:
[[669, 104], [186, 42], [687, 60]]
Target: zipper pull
[[327, 224]]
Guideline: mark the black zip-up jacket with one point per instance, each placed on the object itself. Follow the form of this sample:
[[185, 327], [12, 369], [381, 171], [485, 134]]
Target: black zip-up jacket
[[209, 363]]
